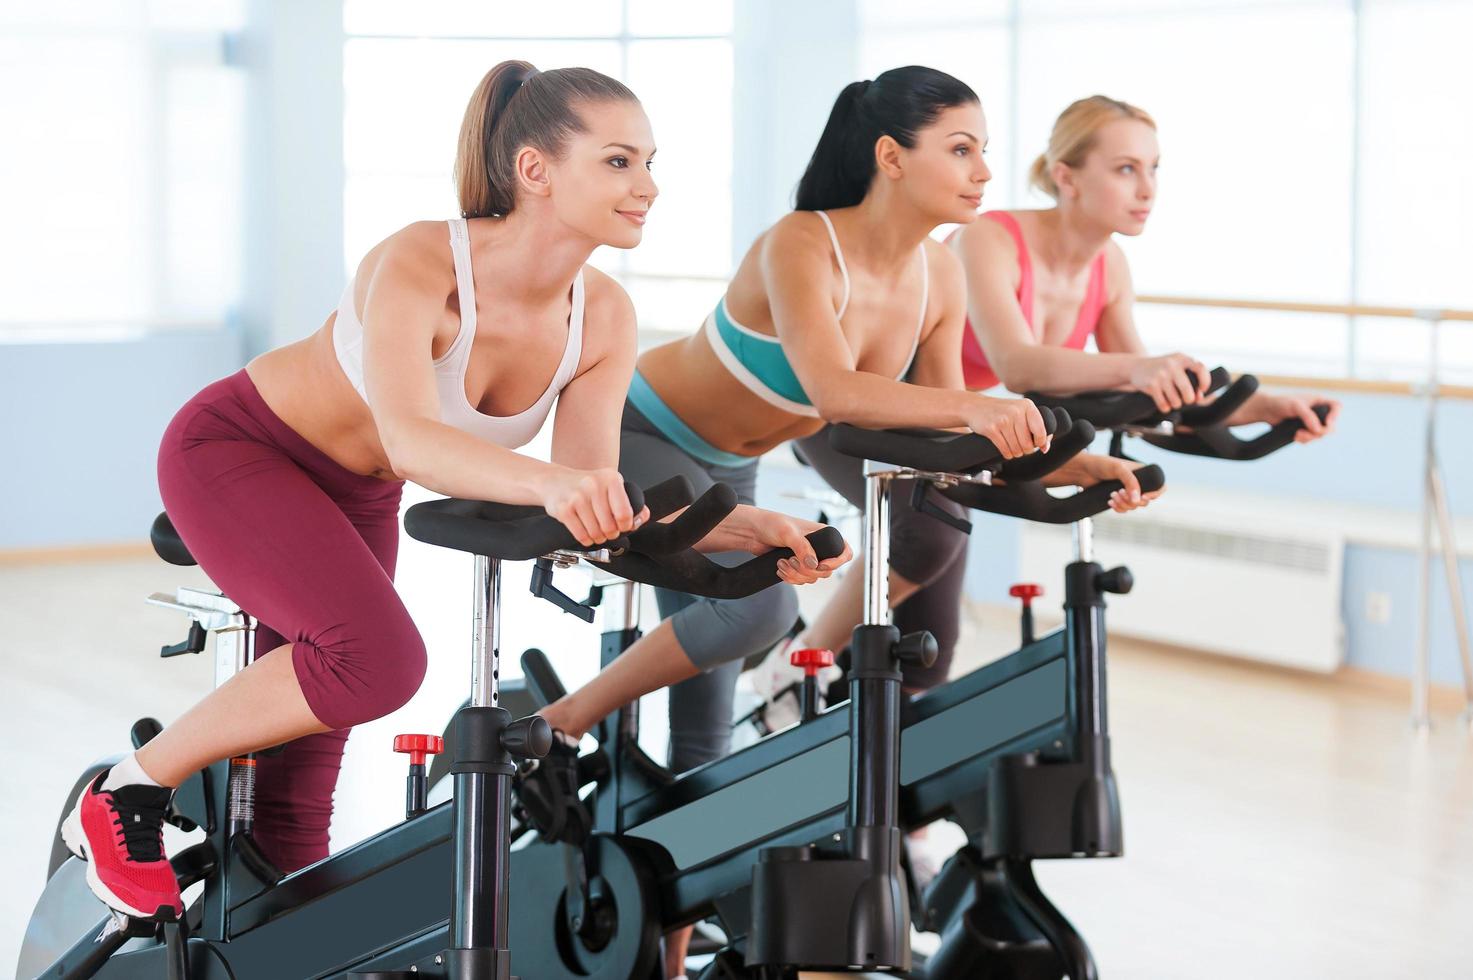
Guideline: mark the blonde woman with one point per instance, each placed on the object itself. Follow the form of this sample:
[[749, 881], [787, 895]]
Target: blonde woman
[[1041, 283]]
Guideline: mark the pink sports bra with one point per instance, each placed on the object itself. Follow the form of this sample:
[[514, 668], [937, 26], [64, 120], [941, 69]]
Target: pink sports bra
[[978, 373]]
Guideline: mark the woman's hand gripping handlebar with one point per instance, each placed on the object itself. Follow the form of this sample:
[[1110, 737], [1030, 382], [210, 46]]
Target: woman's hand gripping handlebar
[[934, 450], [660, 554], [1018, 488], [1112, 409], [1201, 429]]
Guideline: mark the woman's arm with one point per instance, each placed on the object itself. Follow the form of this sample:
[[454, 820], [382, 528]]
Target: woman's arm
[[990, 263], [585, 433], [585, 437], [989, 258], [406, 294], [938, 361], [1117, 332], [795, 270]]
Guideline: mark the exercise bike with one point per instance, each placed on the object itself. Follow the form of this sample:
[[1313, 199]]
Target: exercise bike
[[427, 897], [792, 846]]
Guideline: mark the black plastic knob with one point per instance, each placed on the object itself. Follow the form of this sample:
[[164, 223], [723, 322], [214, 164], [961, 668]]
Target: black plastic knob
[[1117, 580], [527, 738], [917, 648]]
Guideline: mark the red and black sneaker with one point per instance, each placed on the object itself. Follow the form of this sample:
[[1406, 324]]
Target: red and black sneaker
[[120, 834]]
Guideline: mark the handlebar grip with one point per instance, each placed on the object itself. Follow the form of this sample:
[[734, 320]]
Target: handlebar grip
[[1035, 466], [1096, 499], [1218, 411], [760, 572], [1110, 409], [635, 495], [1031, 502], [666, 498], [935, 450], [512, 532], [698, 521], [1218, 442], [695, 574], [919, 448], [1218, 378]]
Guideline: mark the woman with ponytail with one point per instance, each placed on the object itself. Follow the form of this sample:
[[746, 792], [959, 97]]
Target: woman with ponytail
[[1041, 283], [844, 311], [445, 354]]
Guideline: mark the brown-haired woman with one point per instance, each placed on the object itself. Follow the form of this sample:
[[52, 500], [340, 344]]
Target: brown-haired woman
[[445, 354]]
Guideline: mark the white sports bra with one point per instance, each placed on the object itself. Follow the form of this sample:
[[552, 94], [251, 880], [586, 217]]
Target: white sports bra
[[510, 431]]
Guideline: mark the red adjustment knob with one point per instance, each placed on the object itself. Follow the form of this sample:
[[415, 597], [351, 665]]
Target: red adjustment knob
[[812, 661], [1027, 591], [419, 746]]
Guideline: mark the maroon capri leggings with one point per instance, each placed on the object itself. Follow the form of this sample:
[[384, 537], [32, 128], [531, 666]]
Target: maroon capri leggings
[[308, 549]]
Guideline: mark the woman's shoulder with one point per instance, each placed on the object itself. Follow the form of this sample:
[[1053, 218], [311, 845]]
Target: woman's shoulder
[[991, 235], [603, 294], [942, 263], [1117, 271], [417, 254], [797, 229], [607, 307]]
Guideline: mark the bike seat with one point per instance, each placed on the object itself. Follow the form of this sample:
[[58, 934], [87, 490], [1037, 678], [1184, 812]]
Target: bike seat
[[167, 543]]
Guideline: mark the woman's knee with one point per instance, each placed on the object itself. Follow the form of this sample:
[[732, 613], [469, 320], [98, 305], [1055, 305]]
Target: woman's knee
[[715, 631], [922, 548], [357, 672], [767, 616]]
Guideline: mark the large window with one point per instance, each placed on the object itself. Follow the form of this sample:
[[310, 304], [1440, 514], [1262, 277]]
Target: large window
[[1312, 150], [122, 169], [409, 69]]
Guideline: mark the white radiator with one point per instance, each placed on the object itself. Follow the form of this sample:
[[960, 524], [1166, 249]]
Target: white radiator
[[1247, 578]]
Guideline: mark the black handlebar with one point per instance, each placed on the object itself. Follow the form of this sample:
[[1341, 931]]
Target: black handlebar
[[1020, 492], [513, 532], [657, 554], [935, 450], [1219, 442], [1110, 409], [1030, 501], [1200, 430], [694, 573]]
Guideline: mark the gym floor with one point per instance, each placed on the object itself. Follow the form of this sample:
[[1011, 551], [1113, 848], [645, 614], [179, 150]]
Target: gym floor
[[1277, 824]]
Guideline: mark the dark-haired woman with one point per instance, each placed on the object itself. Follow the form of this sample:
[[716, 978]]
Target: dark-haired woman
[[445, 354], [844, 311]]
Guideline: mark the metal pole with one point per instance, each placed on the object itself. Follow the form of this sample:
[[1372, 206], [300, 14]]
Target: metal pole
[[486, 634], [1084, 539], [1421, 676], [1454, 585], [877, 549], [479, 918]]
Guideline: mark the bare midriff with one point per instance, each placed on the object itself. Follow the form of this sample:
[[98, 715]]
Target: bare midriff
[[307, 389], [697, 387]]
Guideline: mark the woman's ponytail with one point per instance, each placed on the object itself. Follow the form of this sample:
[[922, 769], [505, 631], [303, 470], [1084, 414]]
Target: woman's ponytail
[[514, 106], [898, 103], [836, 176]]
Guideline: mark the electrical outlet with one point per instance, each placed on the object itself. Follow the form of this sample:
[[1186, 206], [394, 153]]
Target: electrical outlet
[[1378, 608]]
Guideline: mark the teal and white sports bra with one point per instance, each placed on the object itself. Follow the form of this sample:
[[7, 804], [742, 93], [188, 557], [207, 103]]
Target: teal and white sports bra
[[758, 361]]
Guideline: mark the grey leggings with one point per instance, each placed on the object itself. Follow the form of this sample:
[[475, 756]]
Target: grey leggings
[[922, 550], [717, 634]]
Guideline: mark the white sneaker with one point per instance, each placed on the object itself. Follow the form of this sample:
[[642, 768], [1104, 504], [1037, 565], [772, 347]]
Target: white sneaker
[[777, 682]]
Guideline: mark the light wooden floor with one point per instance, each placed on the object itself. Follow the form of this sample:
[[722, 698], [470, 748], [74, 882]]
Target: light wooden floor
[[1276, 825]]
